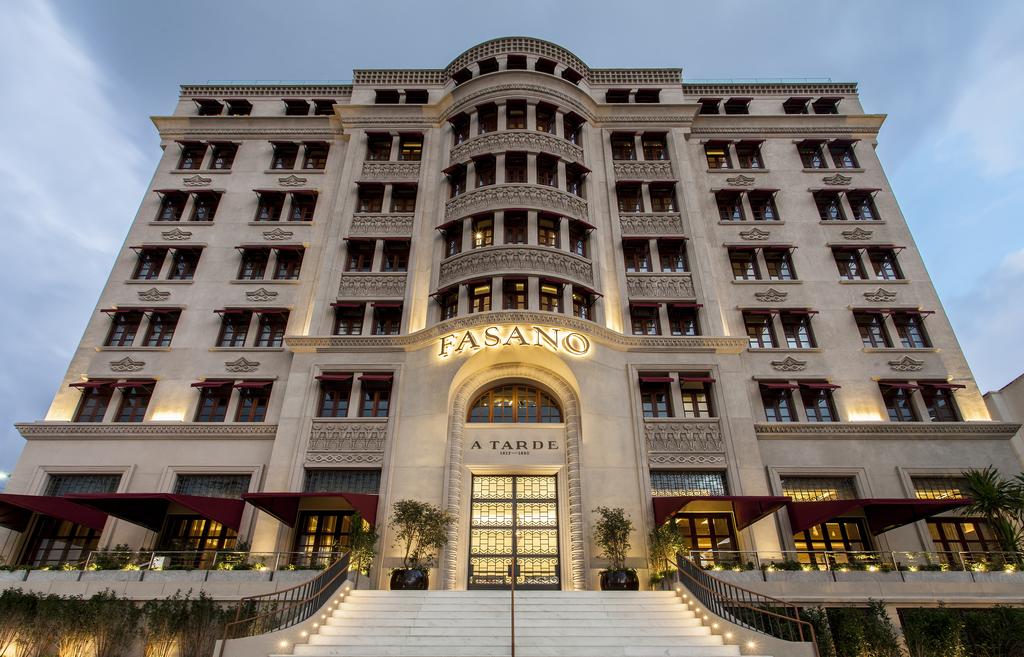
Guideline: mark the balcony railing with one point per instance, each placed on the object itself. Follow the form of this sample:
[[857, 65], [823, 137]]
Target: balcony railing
[[156, 560], [838, 561]]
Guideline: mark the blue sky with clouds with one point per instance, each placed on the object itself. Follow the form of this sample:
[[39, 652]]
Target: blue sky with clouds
[[77, 148]]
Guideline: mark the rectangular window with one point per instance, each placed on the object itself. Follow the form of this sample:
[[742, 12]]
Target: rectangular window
[[323, 107], [644, 319], [655, 396], [93, 404], [396, 255], [254, 264], [898, 401], [449, 302], [296, 107], [623, 147], [227, 486], [386, 97], [479, 298], [547, 170], [744, 264], [910, 328], [348, 318], [456, 181], [515, 228], [205, 206], [460, 128], [269, 206], [452, 240], [760, 331], [796, 106], [289, 264], [371, 198], [637, 254], [387, 319], [223, 155], [797, 329], [360, 255], [830, 208], [696, 390], [779, 263], [403, 198], [172, 206], [749, 155], [54, 542], [863, 204], [376, 397], [548, 231], [546, 118], [849, 265], [514, 295], [672, 253], [485, 168], [717, 155], [819, 489], [709, 105], [134, 402], [583, 305], [884, 264], [346, 480], [663, 198], [647, 96], [939, 488], [826, 106], [271, 328], [579, 241], [778, 402], [410, 147], [938, 399], [334, 395], [213, 401], [572, 126], [730, 206], [252, 401], [737, 106], [762, 206], [192, 153], [161, 328], [873, 333], [551, 296], [487, 116], [616, 96], [303, 207], [483, 231], [208, 106], [678, 483], [956, 538], [630, 198], [234, 328], [515, 115], [811, 155], [515, 167], [123, 327], [655, 147], [817, 400], [842, 154], [682, 319], [238, 107], [149, 263], [285, 154], [378, 147]]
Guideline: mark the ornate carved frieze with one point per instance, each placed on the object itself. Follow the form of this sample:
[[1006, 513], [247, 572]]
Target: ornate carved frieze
[[514, 259], [754, 234], [837, 179], [176, 235], [196, 181], [291, 181], [277, 235], [881, 295], [260, 294], [130, 430], [530, 141], [241, 365], [386, 225], [356, 284], [346, 442], [771, 295], [499, 197], [789, 364], [643, 170], [651, 224], [126, 364], [858, 233], [153, 294], [684, 441], [391, 171], [906, 364], [660, 286], [887, 430], [740, 181]]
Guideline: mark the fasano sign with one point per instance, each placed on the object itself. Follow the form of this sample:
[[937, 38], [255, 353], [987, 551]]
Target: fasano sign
[[496, 337]]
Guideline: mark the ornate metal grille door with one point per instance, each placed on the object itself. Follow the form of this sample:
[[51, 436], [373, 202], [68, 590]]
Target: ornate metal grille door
[[514, 516]]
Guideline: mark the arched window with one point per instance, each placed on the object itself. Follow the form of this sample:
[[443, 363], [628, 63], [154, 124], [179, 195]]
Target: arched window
[[515, 402]]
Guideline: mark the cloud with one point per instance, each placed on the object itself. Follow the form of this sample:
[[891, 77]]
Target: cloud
[[70, 181]]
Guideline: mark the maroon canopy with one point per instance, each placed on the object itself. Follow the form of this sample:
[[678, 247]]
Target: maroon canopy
[[17, 510], [881, 514], [748, 509], [285, 506], [149, 509]]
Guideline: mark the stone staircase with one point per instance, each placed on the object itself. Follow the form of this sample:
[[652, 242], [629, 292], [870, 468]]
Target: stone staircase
[[548, 624]]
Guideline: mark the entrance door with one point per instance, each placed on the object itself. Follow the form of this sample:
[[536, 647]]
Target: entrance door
[[513, 515]]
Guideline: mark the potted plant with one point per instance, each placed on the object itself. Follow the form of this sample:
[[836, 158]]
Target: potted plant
[[421, 530], [664, 543], [611, 534]]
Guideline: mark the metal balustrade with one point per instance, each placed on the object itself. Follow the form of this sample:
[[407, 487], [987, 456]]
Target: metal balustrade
[[205, 560], [847, 561]]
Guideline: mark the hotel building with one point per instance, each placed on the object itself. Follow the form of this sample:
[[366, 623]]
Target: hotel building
[[520, 288]]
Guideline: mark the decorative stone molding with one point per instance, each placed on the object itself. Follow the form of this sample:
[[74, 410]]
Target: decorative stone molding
[[887, 430], [384, 225], [653, 225], [906, 364], [868, 126], [515, 259], [153, 294], [769, 88], [260, 294], [636, 76], [455, 480], [515, 195], [837, 179], [740, 181], [858, 233], [644, 170], [660, 286], [686, 459], [355, 284], [880, 295], [754, 234], [196, 181], [291, 181], [596, 333], [373, 76], [789, 364], [388, 171], [519, 45], [546, 92], [242, 365], [176, 235], [126, 364], [771, 295], [676, 438], [279, 91], [344, 441], [529, 141], [277, 235], [131, 430]]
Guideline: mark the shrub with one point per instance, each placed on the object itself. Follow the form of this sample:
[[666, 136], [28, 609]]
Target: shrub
[[934, 632], [859, 632], [421, 529], [818, 618], [611, 535], [995, 632]]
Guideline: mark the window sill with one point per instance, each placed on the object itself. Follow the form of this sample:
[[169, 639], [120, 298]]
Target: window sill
[[900, 350], [766, 281], [784, 350], [846, 223], [186, 172], [139, 348], [738, 170], [267, 281], [874, 281], [158, 281], [279, 223], [854, 170], [247, 349], [294, 171], [746, 224]]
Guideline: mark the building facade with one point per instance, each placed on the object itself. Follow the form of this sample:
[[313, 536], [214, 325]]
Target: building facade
[[520, 288]]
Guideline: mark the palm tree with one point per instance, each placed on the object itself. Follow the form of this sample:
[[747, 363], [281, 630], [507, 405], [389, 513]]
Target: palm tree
[[999, 502]]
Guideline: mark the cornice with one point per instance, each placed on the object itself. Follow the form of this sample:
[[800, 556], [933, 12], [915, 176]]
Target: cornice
[[530, 141], [887, 430], [256, 89], [385, 76], [584, 105], [631, 76], [517, 45], [825, 124], [768, 88], [515, 195], [597, 333], [242, 127], [170, 431]]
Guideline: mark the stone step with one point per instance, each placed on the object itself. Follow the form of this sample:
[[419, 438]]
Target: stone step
[[455, 609], [448, 650], [384, 623], [521, 614], [474, 630]]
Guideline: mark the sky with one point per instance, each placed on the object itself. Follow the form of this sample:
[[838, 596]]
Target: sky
[[77, 148]]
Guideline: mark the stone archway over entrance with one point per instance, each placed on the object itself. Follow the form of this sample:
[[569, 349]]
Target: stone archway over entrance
[[456, 481]]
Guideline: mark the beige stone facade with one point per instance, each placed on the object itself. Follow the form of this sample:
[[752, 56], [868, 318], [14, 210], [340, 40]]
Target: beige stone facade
[[630, 185]]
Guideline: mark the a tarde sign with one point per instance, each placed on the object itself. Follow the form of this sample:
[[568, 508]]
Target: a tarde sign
[[497, 337], [511, 446]]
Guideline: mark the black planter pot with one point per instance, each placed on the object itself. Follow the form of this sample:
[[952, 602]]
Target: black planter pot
[[409, 580], [619, 580]]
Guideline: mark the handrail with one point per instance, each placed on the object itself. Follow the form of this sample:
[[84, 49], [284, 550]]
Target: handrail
[[282, 609], [746, 608]]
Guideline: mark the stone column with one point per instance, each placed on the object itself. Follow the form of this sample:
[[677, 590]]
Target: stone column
[[467, 235], [663, 319], [357, 396], [367, 319], [377, 263], [638, 145], [566, 298], [474, 123], [563, 233], [652, 245], [846, 206], [470, 175], [531, 228], [762, 264], [734, 157], [286, 207], [559, 123], [562, 177], [502, 117], [463, 306], [396, 144], [531, 116], [497, 289], [499, 168], [748, 209], [531, 168], [385, 204], [645, 191], [499, 227], [676, 393], [532, 293]]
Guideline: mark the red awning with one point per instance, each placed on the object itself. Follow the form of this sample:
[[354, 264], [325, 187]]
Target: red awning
[[881, 514], [685, 305], [748, 509], [696, 379], [16, 511], [376, 377], [821, 386], [285, 506], [387, 304], [903, 385], [346, 304], [93, 383], [644, 304], [778, 386], [333, 377], [212, 384], [253, 384], [656, 379], [132, 383], [149, 509], [942, 386]]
